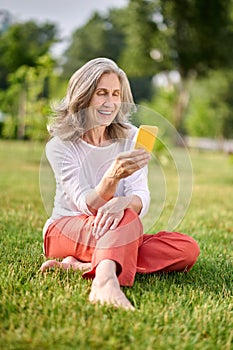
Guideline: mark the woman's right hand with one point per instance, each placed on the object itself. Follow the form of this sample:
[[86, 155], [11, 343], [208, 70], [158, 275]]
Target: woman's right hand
[[126, 163]]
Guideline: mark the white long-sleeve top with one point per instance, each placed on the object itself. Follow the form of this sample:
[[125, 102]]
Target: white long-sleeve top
[[78, 167]]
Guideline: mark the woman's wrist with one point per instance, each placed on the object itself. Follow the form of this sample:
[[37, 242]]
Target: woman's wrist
[[107, 187], [131, 202], [101, 194], [135, 204]]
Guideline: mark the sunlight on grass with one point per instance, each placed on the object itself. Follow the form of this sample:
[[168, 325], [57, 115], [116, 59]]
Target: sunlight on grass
[[175, 311]]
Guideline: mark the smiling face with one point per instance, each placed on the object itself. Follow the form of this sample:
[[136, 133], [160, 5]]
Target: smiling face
[[105, 102]]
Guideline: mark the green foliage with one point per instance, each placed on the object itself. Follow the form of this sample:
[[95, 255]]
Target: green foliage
[[9, 129], [22, 44], [144, 38], [58, 87], [201, 33], [139, 29], [25, 71], [163, 102], [26, 101], [210, 107], [149, 36], [36, 121], [175, 311], [99, 37], [126, 35]]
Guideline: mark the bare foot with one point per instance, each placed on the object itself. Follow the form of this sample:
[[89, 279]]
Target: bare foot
[[49, 264], [106, 289], [67, 263], [71, 262]]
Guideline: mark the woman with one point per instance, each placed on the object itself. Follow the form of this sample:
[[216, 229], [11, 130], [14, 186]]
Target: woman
[[102, 191]]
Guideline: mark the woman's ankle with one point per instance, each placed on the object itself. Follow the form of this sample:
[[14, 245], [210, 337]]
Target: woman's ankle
[[105, 271]]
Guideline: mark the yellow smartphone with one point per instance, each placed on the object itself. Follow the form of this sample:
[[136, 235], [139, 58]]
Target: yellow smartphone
[[146, 137]]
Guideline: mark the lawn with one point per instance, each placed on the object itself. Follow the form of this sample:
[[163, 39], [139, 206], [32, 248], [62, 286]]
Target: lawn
[[176, 311]]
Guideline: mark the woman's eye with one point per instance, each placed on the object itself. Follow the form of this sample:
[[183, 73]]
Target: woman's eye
[[103, 93]]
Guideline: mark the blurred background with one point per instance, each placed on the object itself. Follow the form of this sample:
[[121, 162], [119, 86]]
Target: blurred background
[[177, 55]]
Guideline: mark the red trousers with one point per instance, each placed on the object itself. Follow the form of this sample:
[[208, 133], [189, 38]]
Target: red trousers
[[132, 250]]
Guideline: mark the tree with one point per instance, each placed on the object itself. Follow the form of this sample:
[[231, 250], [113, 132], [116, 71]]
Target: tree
[[22, 44], [100, 36], [128, 36], [210, 108], [201, 34], [142, 36], [25, 101]]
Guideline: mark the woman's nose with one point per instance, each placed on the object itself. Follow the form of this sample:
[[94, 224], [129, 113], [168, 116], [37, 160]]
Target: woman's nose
[[109, 101]]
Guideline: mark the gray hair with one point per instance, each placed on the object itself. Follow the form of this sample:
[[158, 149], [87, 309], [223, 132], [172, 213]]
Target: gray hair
[[69, 121]]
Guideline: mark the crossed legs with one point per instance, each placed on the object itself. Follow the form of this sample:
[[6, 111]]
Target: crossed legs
[[115, 258], [105, 286]]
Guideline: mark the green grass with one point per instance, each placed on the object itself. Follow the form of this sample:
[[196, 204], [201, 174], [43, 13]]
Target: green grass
[[175, 311]]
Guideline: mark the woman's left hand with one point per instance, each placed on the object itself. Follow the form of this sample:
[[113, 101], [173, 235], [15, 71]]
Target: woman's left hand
[[109, 215]]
